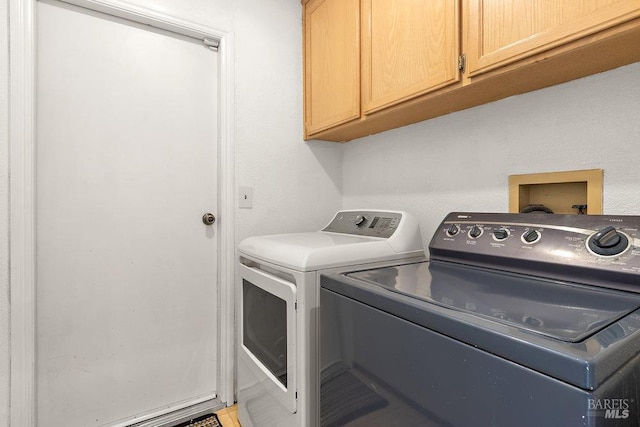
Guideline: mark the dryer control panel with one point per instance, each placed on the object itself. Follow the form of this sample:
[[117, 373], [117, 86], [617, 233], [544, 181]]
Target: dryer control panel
[[599, 249], [365, 223]]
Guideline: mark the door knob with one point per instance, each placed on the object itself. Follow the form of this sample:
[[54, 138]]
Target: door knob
[[208, 218]]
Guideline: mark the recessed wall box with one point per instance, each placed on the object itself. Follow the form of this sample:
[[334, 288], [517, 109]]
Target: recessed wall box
[[558, 191]]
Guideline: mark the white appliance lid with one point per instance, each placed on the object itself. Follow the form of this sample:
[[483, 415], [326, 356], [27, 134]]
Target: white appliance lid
[[316, 250], [348, 246]]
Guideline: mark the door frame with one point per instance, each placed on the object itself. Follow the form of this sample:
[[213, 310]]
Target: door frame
[[22, 192]]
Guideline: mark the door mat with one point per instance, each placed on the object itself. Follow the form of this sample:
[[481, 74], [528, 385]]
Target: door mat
[[209, 420], [343, 398]]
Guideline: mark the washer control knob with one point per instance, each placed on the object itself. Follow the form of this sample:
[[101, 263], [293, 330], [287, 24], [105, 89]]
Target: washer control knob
[[501, 234], [475, 232], [607, 237], [453, 230], [608, 242], [531, 236], [360, 219]]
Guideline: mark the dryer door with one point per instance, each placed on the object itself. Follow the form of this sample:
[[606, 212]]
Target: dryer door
[[268, 332]]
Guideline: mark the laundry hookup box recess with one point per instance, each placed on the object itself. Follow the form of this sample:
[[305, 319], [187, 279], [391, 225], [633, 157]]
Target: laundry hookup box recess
[[568, 192]]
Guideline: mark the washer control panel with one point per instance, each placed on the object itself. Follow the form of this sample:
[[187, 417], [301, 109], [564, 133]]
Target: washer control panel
[[365, 223], [603, 249]]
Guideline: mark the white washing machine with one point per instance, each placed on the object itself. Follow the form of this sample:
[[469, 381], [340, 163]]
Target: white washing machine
[[279, 285]]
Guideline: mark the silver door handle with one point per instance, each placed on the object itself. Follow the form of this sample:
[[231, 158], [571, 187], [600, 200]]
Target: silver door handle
[[208, 218]]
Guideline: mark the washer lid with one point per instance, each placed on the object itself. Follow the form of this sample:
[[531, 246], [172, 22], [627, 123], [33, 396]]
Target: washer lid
[[556, 310], [577, 334], [318, 250]]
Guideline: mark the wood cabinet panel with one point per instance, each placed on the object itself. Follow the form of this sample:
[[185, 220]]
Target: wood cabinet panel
[[500, 32], [409, 47], [375, 65], [332, 63]]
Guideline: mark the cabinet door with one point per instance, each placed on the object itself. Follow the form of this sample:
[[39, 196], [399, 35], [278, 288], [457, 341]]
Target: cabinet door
[[409, 47], [332, 63], [503, 31]]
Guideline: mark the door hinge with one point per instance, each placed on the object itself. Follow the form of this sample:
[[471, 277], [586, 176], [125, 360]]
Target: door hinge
[[211, 44], [462, 62]]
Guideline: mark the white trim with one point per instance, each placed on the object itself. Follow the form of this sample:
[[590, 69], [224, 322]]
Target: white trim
[[183, 415], [22, 211], [167, 415], [22, 193], [226, 204], [142, 15]]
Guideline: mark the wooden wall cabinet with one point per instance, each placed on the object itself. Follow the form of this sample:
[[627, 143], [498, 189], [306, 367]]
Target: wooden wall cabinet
[[409, 48], [500, 32], [367, 55], [375, 65], [332, 63]]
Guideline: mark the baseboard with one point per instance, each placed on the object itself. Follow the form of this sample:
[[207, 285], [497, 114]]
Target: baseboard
[[179, 416]]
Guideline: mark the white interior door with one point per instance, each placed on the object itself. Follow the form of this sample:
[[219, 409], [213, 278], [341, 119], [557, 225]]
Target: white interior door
[[126, 270]]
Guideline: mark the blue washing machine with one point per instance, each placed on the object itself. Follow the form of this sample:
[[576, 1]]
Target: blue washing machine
[[517, 319]]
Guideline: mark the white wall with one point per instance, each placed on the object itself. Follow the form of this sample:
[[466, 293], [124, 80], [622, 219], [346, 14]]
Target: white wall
[[462, 161], [297, 185], [4, 222]]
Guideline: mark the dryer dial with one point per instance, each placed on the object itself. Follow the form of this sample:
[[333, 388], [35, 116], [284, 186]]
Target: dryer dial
[[359, 220]]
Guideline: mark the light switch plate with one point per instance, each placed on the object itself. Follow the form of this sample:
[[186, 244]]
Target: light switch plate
[[245, 197]]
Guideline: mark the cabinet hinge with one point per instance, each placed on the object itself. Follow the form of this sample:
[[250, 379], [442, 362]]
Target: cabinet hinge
[[462, 62], [211, 44]]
